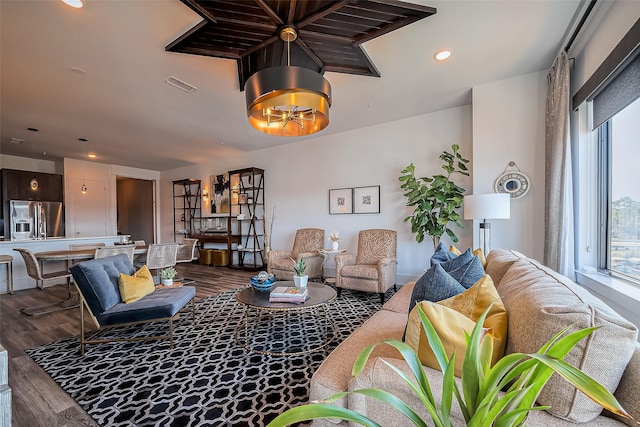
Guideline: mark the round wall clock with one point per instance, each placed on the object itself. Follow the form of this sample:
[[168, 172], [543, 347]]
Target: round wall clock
[[514, 183]]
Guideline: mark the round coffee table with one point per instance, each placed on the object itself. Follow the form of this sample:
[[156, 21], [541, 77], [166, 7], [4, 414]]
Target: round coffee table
[[256, 303]]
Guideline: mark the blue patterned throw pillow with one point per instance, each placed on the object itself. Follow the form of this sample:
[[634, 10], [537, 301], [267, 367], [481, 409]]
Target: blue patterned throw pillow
[[468, 273], [442, 254], [435, 285]]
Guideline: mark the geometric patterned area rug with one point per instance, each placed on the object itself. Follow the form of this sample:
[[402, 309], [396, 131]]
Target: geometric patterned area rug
[[207, 379]]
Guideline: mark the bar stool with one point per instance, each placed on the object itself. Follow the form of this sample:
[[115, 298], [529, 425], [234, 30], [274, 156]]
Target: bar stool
[[8, 259]]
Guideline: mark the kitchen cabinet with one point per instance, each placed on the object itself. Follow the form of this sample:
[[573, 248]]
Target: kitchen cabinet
[[16, 186]]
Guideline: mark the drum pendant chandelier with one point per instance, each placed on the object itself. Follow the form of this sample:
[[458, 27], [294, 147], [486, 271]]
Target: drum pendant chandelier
[[288, 101]]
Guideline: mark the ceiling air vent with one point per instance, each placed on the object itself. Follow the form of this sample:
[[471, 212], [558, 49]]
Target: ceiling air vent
[[16, 141], [173, 81]]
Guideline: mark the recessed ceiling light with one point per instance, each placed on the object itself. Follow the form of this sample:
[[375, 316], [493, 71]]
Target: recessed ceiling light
[[91, 155], [442, 55], [73, 3]]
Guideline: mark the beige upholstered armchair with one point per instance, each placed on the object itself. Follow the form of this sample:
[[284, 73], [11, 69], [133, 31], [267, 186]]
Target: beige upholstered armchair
[[373, 269], [307, 243]]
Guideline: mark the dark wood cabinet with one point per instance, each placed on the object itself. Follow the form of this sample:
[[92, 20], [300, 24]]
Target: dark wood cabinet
[[16, 186]]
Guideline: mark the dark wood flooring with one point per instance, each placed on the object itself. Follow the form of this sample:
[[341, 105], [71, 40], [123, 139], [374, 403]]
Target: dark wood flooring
[[37, 400]]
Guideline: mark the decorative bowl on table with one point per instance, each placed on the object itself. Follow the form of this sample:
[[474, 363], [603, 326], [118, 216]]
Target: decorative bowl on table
[[263, 281]]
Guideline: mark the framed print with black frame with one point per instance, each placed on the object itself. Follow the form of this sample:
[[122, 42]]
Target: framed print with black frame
[[341, 201], [366, 199]]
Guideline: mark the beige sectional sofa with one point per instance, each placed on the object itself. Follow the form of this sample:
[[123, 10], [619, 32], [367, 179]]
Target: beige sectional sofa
[[539, 304]]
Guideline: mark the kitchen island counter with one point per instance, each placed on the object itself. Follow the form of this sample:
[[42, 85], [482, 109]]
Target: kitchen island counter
[[21, 279]]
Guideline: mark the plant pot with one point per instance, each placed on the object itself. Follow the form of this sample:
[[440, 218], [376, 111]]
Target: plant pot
[[335, 246], [167, 282], [300, 281]]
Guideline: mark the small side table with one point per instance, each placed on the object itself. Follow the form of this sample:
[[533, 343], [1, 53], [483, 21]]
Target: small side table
[[325, 253], [174, 285]]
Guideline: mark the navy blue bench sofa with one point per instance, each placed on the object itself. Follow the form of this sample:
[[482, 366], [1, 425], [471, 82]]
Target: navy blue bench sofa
[[97, 284]]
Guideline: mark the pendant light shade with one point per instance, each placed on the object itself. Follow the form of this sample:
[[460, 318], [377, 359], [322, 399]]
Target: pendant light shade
[[288, 101]]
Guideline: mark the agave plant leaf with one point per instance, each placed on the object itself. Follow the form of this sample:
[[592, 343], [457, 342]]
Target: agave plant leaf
[[472, 367], [516, 417], [407, 353], [590, 387], [319, 410], [397, 403]]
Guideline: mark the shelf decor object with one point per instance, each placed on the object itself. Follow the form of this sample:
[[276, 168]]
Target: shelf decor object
[[341, 201], [483, 207], [366, 199]]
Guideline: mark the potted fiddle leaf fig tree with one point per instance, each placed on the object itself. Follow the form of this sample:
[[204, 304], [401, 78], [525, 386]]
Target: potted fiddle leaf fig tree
[[435, 200], [498, 395], [300, 279]]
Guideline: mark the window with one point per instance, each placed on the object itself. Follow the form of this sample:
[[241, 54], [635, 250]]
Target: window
[[619, 140]]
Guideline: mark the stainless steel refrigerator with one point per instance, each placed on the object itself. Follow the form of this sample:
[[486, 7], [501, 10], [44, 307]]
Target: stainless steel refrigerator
[[36, 220]]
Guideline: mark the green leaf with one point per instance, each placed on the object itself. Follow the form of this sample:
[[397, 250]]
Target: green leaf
[[319, 410], [590, 387]]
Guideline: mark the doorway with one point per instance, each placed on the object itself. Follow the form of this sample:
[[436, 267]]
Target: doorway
[[136, 208]]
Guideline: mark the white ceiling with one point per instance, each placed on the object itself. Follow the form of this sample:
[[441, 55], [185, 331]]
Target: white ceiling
[[132, 118]]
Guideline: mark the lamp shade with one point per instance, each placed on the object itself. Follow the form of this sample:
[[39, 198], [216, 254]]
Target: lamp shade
[[487, 206]]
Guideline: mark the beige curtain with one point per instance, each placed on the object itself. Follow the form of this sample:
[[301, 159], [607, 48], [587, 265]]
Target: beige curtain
[[559, 231]]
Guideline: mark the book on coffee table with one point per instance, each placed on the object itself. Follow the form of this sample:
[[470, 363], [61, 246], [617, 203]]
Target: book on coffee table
[[288, 294]]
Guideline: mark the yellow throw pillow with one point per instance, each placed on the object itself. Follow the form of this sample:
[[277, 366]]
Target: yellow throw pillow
[[452, 317], [132, 288], [478, 252]]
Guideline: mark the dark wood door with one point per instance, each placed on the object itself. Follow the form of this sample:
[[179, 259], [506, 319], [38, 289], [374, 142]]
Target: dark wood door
[[135, 208]]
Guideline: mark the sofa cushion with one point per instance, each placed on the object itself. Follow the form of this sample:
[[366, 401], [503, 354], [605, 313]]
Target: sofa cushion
[[366, 271], [447, 279], [441, 254], [499, 261], [334, 374], [399, 302], [132, 288], [452, 317], [435, 285], [106, 272], [476, 252], [468, 273], [540, 303], [161, 304]]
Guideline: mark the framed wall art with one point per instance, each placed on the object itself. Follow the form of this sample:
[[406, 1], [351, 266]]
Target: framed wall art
[[366, 199], [341, 201]]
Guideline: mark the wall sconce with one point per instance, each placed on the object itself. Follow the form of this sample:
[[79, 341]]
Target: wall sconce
[[205, 195]]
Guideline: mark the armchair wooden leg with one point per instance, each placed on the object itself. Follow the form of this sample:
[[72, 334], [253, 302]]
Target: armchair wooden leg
[[339, 290], [382, 298]]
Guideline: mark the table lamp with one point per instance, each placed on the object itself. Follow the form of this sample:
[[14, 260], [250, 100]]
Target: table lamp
[[484, 207]]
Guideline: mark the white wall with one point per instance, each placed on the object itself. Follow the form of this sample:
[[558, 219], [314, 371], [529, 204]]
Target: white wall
[[508, 125], [298, 177], [98, 177]]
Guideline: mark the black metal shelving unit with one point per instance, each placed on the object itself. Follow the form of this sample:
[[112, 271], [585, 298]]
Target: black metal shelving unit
[[187, 203]]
